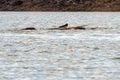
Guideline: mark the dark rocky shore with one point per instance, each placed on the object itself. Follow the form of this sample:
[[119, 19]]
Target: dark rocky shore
[[60, 5]]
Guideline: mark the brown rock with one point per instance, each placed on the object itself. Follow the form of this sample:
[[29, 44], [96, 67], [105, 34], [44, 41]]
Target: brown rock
[[17, 3]]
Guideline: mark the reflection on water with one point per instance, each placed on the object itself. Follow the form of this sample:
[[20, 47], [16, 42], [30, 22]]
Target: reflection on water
[[60, 55]]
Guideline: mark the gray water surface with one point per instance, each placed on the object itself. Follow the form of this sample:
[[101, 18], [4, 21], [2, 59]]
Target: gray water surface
[[59, 55]]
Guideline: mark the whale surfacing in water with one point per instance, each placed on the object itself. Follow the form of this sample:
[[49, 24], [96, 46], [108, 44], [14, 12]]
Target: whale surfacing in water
[[63, 27], [68, 27], [29, 28], [76, 27]]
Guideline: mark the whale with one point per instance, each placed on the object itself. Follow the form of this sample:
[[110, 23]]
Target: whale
[[62, 27], [68, 27], [29, 28]]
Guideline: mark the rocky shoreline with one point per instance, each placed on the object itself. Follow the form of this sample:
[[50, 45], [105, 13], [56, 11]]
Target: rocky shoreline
[[59, 5]]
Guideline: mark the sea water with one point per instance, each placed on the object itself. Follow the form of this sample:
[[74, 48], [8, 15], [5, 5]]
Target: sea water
[[59, 54]]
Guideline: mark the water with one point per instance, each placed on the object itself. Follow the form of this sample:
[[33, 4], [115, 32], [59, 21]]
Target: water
[[59, 55]]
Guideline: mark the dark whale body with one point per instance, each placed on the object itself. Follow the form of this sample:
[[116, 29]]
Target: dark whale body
[[63, 26], [29, 28]]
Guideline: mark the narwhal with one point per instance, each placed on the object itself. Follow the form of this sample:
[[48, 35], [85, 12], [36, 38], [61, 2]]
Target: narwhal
[[63, 27], [67, 27], [29, 28]]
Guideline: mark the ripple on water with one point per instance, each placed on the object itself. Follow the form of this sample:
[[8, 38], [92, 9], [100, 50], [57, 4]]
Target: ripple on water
[[62, 56]]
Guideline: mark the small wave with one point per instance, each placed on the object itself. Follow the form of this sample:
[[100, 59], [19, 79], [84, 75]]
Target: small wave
[[106, 37], [35, 35], [65, 36]]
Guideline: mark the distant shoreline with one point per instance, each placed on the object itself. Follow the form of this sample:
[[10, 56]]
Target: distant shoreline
[[60, 5]]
